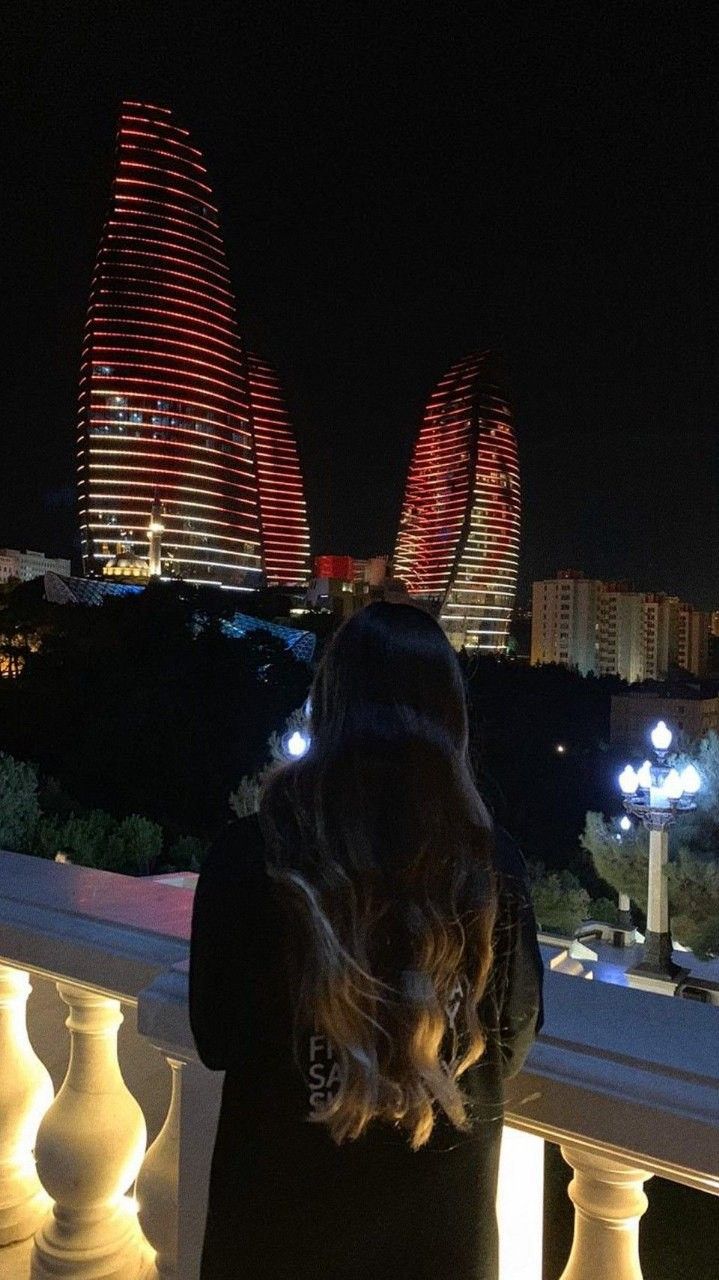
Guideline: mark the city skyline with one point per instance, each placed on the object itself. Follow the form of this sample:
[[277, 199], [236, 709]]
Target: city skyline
[[386, 209]]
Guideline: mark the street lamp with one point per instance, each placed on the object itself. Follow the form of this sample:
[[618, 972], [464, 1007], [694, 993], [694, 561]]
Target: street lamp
[[295, 744], [657, 794]]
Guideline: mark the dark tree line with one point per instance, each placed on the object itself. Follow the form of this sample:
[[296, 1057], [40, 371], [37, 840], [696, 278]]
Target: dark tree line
[[143, 706]]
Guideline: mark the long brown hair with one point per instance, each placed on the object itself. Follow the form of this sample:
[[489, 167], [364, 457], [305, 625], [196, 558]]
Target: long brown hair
[[381, 847]]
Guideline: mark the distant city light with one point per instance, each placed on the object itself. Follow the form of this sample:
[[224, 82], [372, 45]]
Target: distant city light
[[560, 749]]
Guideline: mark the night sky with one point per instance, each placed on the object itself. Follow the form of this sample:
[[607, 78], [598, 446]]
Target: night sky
[[396, 189]]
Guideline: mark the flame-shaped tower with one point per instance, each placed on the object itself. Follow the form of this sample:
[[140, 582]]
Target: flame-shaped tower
[[283, 513], [458, 541], [165, 409]]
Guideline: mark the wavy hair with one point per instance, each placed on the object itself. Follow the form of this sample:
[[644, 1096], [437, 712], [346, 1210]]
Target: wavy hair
[[381, 848]]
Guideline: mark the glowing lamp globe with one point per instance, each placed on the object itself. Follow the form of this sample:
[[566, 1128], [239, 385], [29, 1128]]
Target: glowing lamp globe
[[661, 737], [625, 823], [691, 780], [628, 781], [673, 785], [644, 776], [295, 744]]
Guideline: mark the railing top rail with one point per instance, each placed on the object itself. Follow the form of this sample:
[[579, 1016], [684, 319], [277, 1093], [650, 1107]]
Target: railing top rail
[[109, 932], [137, 903], [626, 1071]]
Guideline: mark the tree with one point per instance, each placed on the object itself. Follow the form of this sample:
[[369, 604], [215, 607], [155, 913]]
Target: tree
[[84, 837], [560, 901], [19, 807], [186, 854], [620, 858], [144, 706], [134, 847], [605, 910], [519, 715], [245, 799]]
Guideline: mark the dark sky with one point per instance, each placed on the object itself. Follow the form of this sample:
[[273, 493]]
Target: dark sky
[[398, 184]]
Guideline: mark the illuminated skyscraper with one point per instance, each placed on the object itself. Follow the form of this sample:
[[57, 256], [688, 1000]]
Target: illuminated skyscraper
[[165, 410], [283, 513], [458, 541]]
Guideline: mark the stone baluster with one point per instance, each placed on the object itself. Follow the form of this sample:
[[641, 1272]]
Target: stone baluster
[[157, 1187], [173, 1184], [89, 1149], [25, 1094], [609, 1201]]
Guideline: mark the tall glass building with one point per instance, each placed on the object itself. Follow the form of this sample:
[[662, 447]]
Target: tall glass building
[[458, 543], [165, 410]]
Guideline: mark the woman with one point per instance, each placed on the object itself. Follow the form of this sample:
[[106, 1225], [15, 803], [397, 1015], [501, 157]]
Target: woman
[[365, 969]]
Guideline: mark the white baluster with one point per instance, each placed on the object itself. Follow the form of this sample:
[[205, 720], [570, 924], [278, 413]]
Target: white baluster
[[25, 1095], [609, 1201], [158, 1184], [89, 1150]]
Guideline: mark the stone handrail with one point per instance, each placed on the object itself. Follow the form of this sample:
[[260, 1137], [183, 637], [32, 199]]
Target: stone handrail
[[626, 1082]]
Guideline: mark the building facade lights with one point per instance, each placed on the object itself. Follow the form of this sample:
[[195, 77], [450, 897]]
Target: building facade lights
[[458, 540], [283, 513], [165, 407]]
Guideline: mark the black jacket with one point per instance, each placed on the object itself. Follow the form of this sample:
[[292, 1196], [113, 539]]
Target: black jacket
[[285, 1202]]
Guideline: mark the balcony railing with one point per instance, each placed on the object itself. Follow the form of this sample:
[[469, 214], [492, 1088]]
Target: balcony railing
[[627, 1083]]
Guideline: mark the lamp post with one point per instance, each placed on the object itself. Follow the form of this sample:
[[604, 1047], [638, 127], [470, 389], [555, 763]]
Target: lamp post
[[657, 794]]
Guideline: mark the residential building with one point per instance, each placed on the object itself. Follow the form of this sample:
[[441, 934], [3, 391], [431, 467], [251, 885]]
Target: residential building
[[689, 711], [565, 619], [23, 566], [620, 636], [610, 629], [661, 635], [693, 640]]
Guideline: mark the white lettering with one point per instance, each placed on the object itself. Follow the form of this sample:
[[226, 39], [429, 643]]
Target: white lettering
[[318, 1045], [317, 1075], [334, 1076]]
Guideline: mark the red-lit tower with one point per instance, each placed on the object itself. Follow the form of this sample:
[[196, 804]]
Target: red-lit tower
[[164, 391], [458, 540], [283, 513]]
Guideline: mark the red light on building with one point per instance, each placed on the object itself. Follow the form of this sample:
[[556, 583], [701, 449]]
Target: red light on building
[[283, 513], [340, 568], [458, 540], [165, 396]]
